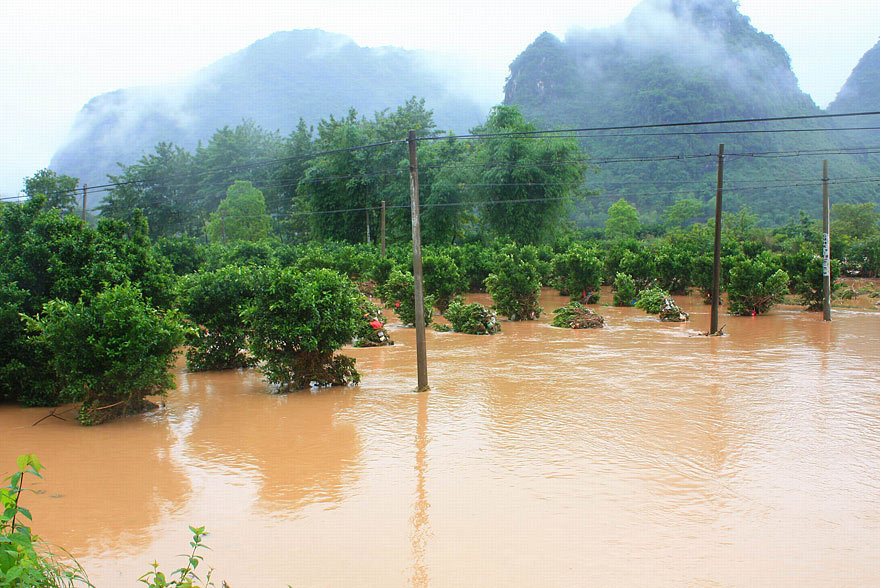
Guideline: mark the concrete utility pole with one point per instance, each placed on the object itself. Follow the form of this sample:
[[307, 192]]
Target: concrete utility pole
[[716, 261], [826, 245], [85, 195], [421, 351]]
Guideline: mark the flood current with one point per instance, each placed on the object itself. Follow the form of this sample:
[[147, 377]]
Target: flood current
[[640, 454]]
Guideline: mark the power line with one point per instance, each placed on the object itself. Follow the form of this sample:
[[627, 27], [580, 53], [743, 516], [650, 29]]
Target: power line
[[650, 126]]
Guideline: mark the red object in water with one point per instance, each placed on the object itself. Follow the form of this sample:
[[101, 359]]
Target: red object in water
[[397, 305], [375, 324]]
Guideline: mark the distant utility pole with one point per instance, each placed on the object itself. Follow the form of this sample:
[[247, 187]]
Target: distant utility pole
[[419, 292], [85, 195], [826, 245], [716, 261]]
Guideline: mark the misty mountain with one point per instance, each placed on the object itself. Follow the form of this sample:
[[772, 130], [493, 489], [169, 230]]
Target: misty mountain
[[275, 81], [861, 92], [683, 60]]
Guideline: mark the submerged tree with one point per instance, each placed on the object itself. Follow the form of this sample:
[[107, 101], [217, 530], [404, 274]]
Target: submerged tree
[[296, 322], [515, 283]]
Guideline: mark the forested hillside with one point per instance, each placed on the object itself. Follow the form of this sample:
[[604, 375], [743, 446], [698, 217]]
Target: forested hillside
[[307, 74], [688, 60]]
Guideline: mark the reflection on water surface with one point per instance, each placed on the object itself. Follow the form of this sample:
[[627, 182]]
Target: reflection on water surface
[[635, 455]]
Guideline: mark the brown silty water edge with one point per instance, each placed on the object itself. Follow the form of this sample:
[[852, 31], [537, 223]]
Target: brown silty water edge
[[635, 455]]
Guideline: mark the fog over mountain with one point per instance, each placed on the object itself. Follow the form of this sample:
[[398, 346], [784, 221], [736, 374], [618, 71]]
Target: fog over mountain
[[682, 60], [275, 81]]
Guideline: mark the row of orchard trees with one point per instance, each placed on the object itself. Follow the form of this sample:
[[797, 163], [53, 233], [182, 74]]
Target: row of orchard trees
[[95, 315]]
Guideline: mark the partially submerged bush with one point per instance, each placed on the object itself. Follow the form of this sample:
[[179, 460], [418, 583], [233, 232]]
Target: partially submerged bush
[[110, 353], [624, 290], [578, 273], [371, 330], [442, 279], [670, 312], [577, 316], [474, 319], [399, 292], [213, 301], [755, 286], [810, 286], [651, 299], [296, 321], [515, 283]]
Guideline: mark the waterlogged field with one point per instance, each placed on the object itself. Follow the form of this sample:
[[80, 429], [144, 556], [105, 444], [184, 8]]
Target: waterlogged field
[[640, 454]]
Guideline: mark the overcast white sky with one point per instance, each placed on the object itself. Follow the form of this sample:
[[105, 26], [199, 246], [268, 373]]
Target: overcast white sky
[[57, 54]]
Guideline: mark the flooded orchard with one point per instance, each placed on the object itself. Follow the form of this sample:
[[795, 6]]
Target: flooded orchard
[[636, 455]]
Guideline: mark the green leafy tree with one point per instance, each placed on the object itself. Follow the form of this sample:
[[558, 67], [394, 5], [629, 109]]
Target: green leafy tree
[[756, 285], [164, 186], [60, 191], [579, 272], [111, 352], [623, 220], [213, 301], [682, 213], [296, 322], [515, 283], [241, 216], [857, 221], [529, 184]]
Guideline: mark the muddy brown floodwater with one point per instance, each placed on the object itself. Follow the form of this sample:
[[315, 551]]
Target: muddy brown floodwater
[[634, 455]]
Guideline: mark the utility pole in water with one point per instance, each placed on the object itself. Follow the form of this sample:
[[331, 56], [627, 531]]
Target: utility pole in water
[[826, 245], [418, 287], [716, 261]]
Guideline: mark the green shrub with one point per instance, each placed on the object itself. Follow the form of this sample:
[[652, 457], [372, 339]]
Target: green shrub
[[213, 301], [442, 279], [111, 352], [515, 283], [810, 285], [399, 292], [474, 319], [575, 315], [651, 299], [579, 272], [624, 290], [186, 254], [25, 560], [296, 321], [756, 285]]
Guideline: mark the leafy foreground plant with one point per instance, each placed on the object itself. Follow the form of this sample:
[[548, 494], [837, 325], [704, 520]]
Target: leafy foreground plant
[[474, 319], [575, 315], [186, 576], [25, 560]]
